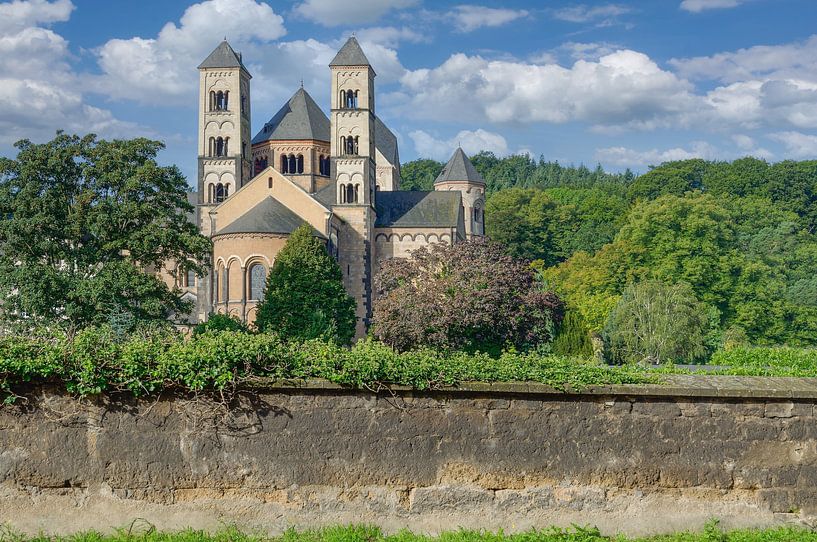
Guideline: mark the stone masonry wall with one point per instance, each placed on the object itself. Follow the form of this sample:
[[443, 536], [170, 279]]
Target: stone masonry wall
[[635, 459]]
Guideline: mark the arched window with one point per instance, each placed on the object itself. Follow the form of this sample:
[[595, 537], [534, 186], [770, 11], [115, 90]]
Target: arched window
[[357, 140], [350, 101], [477, 215], [212, 100], [300, 163], [350, 146], [284, 164], [219, 100], [293, 164], [226, 142], [225, 285], [226, 191], [219, 147], [216, 274], [342, 145], [190, 279], [258, 279], [357, 193], [211, 195], [323, 165], [212, 147], [220, 193], [343, 193], [342, 99], [350, 193], [224, 106]]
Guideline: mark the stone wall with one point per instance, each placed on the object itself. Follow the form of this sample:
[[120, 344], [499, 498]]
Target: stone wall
[[635, 459]]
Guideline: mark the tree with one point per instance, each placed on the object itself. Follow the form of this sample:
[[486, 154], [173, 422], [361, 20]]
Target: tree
[[470, 296], [305, 298], [220, 322], [524, 221], [83, 223], [573, 337], [419, 174], [655, 322]]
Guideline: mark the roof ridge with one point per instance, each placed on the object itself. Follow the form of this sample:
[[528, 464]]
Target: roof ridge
[[351, 54], [459, 168]]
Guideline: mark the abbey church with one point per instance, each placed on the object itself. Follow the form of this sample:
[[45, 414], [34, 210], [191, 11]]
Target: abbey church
[[340, 174]]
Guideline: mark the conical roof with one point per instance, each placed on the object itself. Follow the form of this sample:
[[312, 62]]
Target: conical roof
[[222, 56], [459, 168], [350, 55], [299, 118]]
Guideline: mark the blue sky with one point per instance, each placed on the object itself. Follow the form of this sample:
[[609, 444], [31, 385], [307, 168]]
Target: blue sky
[[624, 84]]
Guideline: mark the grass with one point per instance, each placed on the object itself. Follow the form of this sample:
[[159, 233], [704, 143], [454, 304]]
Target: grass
[[363, 533]]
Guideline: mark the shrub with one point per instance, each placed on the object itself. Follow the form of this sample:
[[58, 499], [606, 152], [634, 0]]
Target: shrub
[[573, 337], [654, 322], [469, 296], [305, 297], [220, 322]]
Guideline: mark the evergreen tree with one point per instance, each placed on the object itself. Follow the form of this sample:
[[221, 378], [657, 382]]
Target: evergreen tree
[[305, 297], [573, 337]]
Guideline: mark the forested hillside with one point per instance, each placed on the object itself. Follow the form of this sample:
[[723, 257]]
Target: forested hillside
[[740, 235]]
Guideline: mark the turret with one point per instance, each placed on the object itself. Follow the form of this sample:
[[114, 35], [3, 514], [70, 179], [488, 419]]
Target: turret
[[459, 174]]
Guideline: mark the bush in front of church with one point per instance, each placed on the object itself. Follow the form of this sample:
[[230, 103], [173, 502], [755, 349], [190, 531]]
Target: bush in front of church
[[305, 298], [468, 296]]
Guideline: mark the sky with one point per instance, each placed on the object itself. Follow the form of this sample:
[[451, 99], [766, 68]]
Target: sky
[[624, 84]]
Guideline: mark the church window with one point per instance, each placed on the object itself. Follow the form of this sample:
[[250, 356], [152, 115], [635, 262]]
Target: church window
[[225, 285], [323, 165], [190, 279], [357, 193], [284, 164], [220, 147], [270, 183], [343, 99], [300, 163], [351, 194], [216, 274], [349, 99], [226, 142], [477, 215], [293, 164], [258, 279], [212, 100], [343, 193], [220, 193], [212, 147], [357, 140], [350, 145], [226, 191]]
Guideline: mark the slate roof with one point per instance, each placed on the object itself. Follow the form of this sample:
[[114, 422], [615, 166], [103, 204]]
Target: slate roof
[[386, 142], [415, 209], [459, 168], [269, 216], [350, 55], [326, 195], [223, 56], [299, 118]]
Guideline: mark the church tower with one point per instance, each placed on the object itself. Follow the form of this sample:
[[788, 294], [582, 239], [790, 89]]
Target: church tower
[[353, 171], [224, 128], [224, 146], [460, 174]]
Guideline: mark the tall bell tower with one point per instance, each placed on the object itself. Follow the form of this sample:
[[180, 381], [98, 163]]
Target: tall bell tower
[[224, 146], [353, 171]]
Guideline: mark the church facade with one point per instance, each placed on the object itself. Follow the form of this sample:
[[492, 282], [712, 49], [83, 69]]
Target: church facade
[[338, 173]]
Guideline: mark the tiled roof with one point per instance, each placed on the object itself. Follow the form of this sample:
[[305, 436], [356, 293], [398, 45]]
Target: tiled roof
[[459, 168], [415, 209], [222, 56], [299, 118], [386, 142], [269, 216], [350, 55]]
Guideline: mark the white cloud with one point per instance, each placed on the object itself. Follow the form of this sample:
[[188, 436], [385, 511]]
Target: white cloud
[[40, 91], [468, 18], [796, 60], [389, 36], [472, 142], [624, 88], [150, 69], [21, 14], [337, 13], [798, 145], [603, 14], [696, 6], [627, 157]]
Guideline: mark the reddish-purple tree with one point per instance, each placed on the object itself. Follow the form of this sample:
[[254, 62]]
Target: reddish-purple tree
[[468, 296]]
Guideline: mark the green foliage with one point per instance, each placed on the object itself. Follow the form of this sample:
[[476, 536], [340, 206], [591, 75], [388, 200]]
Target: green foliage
[[83, 221], [573, 337], [369, 533], [220, 322], [768, 361], [743, 257], [419, 174], [656, 323], [305, 297], [95, 361], [469, 296]]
